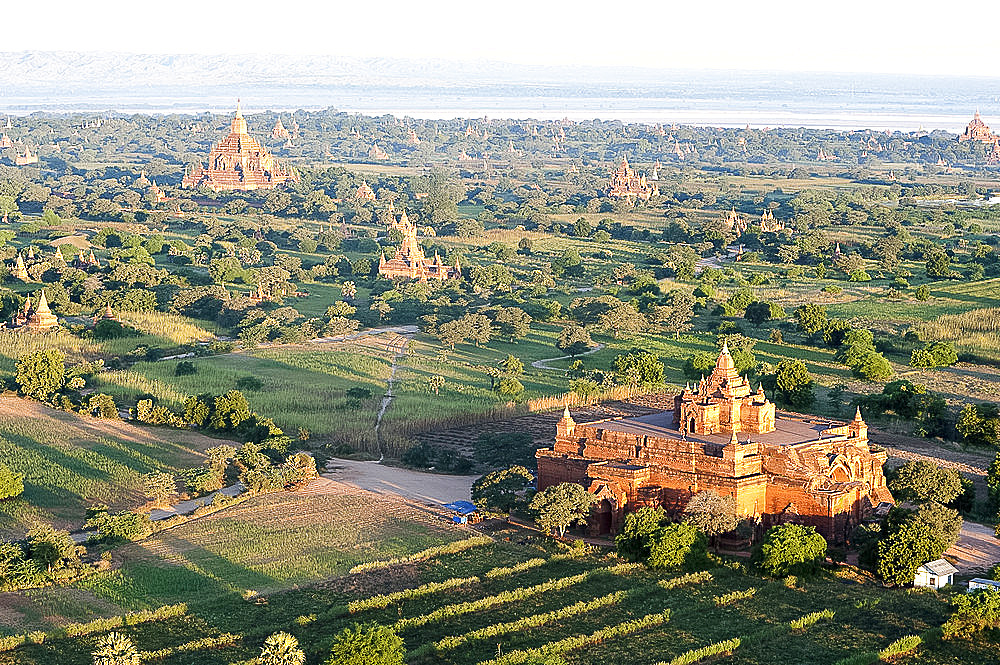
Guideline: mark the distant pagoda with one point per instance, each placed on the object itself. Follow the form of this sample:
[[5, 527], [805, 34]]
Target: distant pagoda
[[978, 131], [239, 162], [37, 319], [410, 262], [626, 182]]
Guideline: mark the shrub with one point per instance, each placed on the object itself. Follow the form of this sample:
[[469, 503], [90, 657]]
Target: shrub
[[677, 546], [11, 484], [251, 383], [638, 532], [366, 644], [973, 612], [790, 549], [185, 368]]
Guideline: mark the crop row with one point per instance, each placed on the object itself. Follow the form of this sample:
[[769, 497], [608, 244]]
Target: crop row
[[579, 641], [757, 637], [96, 626], [423, 555], [512, 596]]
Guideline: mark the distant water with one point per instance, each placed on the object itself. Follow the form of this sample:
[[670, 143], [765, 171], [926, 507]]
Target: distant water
[[838, 102]]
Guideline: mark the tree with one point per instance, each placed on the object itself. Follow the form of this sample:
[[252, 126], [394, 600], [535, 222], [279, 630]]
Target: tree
[[435, 383], [758, 312], [921, 481], [639, 368], [675, 316], [811, 318], [574, 340], [508, 386], [280, 649], [479, 327], [512, 365], [793, 383], [712, 513], [41, 374], [934, 354], [638, 531], [678, 546], [790, 549], [11, 484], [367, 644], [512, 322], [973, 613], [452, 332], [159, 486], [979, 424], [51, 547], [229, 410], [699, 364], [912, 538], [622, 319], [993, 481], [502, 490], [115, 649], [559, 506]]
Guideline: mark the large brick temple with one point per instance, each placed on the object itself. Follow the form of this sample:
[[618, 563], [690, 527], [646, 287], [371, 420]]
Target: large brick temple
[[410, 262], [722, 436], [239, 162]]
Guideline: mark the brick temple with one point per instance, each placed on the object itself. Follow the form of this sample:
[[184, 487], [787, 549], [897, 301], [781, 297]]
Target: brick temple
[[239, 162], [625, 182], [725, 437], [410, 262], [978, 131], [35, 319]]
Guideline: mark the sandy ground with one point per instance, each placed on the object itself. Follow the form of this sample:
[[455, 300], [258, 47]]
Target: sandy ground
[[977, 549], [424, 487]]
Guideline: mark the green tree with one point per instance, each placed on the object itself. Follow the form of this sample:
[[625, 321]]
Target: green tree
[[811, 318], [934, 354], [512, 322], [280, 649], [559, 506], [502, 490], [115, 649], [508, 386], [979, 424], [51, 547], [41, 374], [229, 410], [699, 364], [512, 365], [973, 613], [367, 644], [714, 514], [912, 538], [923, 292], [678, 546], [639, 368], [758, 312], [436, 383], [921, 481], [574, 340], [159, 486], [790, 549], [11, 484], [622, 319], [793, 383], [636, 535]]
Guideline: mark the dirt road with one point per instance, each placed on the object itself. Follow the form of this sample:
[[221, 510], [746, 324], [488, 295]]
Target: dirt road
[[424, 487]]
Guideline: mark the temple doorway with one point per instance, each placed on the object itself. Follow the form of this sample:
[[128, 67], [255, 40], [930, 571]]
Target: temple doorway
[[604, 514], [691, 425]]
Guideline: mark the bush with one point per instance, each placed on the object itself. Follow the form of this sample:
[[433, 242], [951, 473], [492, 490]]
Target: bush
[[185, 368], [11, 484], [973, 613], [638, 532], [367, 644], [121, 527], [678, 546], [251, 383], [790, 549]]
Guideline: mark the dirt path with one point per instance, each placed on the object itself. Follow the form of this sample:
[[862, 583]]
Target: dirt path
[[433, 488], [544, 362], [977, 549], [398, 349]]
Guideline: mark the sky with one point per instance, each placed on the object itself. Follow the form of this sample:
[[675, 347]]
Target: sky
[[915, 37]]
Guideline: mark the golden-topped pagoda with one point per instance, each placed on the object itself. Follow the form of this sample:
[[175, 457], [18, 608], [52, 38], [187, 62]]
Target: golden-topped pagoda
[[724, 403], [239, 162], [410, 262], [978, 131], [38, 319], [279, 132]]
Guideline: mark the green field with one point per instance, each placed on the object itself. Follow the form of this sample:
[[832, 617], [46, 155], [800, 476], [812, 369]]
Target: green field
[[71, 461], [468, 607]]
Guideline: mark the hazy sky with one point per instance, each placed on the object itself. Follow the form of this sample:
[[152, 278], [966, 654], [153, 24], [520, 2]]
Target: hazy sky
[[848, 35]]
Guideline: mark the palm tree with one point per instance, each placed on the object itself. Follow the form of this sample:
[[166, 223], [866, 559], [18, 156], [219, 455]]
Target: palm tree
[[281, 649], [115, 649]]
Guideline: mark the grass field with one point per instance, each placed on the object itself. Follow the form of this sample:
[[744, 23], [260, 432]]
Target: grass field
[[70, 461], [303, 386], [501, 600]]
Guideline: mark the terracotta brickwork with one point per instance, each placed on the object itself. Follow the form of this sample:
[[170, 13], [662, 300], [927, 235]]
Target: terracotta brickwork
[[777, 470], [410, 262], [239, 162], [978, 131], [627, 182]]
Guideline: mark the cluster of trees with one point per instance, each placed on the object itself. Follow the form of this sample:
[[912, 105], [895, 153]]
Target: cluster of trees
[[45, 556]]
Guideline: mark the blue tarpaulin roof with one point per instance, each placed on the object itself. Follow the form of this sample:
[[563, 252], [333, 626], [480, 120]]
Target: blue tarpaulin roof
[[463, 507]]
